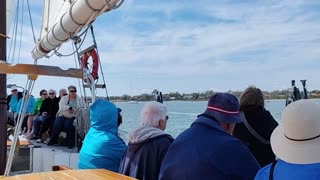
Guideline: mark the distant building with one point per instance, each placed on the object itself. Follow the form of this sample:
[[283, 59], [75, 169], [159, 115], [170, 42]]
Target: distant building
[[187, 96]]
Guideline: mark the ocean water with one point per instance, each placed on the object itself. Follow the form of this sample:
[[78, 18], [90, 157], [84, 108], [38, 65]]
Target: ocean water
[[183, 113]]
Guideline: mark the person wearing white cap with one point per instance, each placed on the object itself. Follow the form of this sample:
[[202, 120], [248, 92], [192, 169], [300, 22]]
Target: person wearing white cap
[[296, 142], [12, 101]]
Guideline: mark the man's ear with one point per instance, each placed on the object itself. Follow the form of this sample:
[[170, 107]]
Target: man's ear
[[162, 124]]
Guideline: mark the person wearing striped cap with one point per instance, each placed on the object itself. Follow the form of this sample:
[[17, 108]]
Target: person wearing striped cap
[[207, 150]]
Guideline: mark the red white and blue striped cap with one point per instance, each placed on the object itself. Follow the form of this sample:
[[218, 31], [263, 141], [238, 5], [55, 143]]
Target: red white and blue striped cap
[[224, 107]]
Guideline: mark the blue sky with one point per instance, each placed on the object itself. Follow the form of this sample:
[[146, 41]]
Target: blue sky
[[193, 46]]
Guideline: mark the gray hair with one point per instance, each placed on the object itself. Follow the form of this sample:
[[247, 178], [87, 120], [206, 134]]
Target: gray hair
[[252, 96], [64, 91], [72, 87], [152, 113], [52, 91]]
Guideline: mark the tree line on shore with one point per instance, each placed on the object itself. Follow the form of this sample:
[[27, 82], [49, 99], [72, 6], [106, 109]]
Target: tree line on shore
[[199, 96]]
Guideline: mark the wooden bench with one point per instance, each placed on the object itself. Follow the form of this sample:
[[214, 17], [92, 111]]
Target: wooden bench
[[22, 143], [95, 174]]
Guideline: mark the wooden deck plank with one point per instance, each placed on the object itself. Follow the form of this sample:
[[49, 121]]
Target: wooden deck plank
[[95, 174], [22, 143]]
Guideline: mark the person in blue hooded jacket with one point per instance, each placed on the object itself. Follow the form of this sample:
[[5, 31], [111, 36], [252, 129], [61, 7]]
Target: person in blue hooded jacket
[[102, 148], [207, 150]]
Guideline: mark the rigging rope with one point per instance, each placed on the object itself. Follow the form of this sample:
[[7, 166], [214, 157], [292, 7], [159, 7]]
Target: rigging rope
[[22, 112], [21, 29], [76, 63], [34, 37], [13, 43], [95, 43], [14, 33], [77, 48]]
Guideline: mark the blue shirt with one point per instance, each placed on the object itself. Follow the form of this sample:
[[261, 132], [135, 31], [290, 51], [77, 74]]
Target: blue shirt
[[30, 105], [13, 103], [284, 170]]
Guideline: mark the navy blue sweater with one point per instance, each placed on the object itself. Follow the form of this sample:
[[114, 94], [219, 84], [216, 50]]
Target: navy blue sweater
[[206, 151]]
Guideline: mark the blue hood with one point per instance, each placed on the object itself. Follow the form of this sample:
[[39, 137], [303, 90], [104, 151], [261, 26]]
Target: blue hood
[[104, 116], [102, 148]]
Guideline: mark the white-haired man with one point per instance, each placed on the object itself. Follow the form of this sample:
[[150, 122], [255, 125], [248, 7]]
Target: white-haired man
[[148, 143]]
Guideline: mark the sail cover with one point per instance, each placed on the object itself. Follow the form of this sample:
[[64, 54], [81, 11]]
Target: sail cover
[[62, 19]]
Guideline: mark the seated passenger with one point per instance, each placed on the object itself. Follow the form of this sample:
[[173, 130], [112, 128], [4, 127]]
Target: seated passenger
[[207, 150], [102, 148], [148, 143], [36, 112], [12, 101], [68, 106], [29, 109], [257, 125], [48, 111], [296, 142]]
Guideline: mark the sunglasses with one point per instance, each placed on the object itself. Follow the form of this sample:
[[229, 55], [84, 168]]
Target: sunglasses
[[14, 90], [45, 94], [64, 94], [51, 93], [73, 91]]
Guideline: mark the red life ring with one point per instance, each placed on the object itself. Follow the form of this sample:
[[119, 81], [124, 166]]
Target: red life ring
[[95, 63]]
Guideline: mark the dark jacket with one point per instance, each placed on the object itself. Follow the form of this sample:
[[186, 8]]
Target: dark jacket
[[51, 106], [263, 123], [146, 150], [206, 151], [9, 99]]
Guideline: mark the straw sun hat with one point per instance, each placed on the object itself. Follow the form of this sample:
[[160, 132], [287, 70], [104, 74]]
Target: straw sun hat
[[297, 139]]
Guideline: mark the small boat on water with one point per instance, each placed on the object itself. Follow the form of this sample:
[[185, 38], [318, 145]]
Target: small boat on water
[[133, 101]]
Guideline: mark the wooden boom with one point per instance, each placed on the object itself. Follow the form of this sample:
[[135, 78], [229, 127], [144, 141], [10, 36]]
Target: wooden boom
[[40, 70]]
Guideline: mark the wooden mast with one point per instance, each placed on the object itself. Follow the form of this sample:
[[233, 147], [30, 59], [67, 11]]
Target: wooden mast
[[3, 89]]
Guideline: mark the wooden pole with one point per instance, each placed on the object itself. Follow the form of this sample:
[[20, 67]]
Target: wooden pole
[[3, 89]]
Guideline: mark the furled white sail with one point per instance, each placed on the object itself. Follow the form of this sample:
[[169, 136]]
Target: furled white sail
[[62, 19], [10, 6]]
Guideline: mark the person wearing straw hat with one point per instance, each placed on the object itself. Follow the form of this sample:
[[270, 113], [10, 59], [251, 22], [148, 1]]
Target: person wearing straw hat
[[296, 142], [207, 150]]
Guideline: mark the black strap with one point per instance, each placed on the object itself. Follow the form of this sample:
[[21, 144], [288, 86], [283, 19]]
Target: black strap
[[307, 139], [272, 169], [253, 132]]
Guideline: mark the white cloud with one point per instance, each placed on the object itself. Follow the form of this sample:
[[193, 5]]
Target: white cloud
[[266, 43]]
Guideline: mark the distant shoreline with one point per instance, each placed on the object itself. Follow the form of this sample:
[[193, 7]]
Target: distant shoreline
[[195, 100]]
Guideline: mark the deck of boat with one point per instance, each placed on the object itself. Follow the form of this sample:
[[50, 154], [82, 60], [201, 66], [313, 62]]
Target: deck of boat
[[39, 157]]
